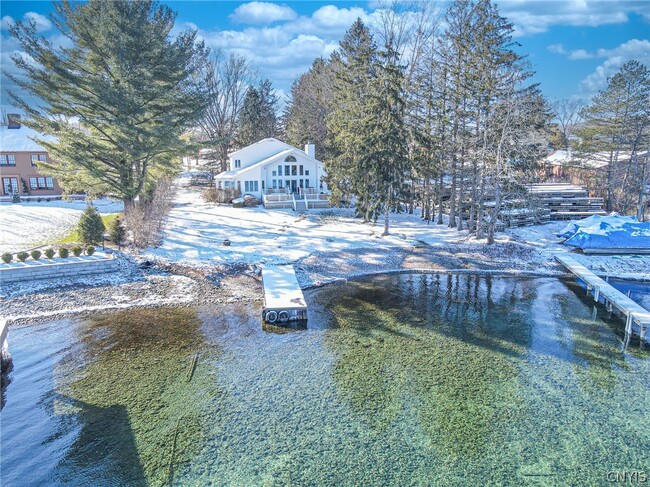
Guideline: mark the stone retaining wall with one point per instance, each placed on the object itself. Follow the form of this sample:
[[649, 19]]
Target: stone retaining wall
[[70, 267]]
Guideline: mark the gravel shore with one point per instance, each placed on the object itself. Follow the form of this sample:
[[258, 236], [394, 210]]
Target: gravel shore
[[140, 283]]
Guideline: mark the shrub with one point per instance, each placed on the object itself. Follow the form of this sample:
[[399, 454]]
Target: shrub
[[90, 250], [15, 198], [49, 253], [117, 232], [63, 252], [36, 254], [210, 195], [39, 199], [6, 257], [22, 256], [91, 226], [76, 250], [47, 199]]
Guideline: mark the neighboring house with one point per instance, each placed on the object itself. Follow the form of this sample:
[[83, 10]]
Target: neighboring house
[[278, 173], [565, 166], [19, 158]]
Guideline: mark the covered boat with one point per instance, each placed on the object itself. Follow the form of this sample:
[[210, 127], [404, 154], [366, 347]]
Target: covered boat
[[613, 219], [612, 238]]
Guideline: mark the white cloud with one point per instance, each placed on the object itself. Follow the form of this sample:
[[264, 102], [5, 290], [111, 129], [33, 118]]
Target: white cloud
[[579, 54], [614, 58], [556, 48], [6, 22], [534, 17], [42, 22], [262, 13]]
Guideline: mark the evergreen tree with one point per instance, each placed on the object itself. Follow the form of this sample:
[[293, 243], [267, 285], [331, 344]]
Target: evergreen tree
[[117, 234], [258, 119], [354, 67], [384, 160], [617, 121], [91, 226], [310, 104], [124, 80]]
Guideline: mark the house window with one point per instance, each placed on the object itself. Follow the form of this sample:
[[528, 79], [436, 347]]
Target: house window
[[275, 184], [286, 170], [7, 160], [302, 169], [32, 183], [10, 185], [262, 185], [250, 186], [290, 159], [294, 170], [302, 183], [306, 183], [307, 172], [219, 184], [49, 183], [279, 170], [237, 163], [275, 173], [287, 184], [36, 158]]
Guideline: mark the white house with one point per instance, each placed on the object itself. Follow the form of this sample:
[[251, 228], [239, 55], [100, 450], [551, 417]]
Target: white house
[[277, 173]]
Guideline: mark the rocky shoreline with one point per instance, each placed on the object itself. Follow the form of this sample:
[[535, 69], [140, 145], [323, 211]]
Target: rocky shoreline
[[141, 283]]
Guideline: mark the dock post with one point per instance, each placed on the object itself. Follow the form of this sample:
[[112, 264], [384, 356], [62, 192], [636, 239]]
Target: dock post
[[594, 313], [596, 293], [628, 322]]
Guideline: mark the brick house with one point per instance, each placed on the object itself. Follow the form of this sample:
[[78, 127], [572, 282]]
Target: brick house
[[19, 158]]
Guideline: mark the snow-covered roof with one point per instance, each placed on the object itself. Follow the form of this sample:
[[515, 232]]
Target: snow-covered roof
[[238, 172], [257, 144], [20, 140], [596, 160]]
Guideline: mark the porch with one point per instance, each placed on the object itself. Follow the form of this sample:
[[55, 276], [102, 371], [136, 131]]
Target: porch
[[302, 200]]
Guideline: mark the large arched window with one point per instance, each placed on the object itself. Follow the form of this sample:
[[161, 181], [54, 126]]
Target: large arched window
[[290, 159]]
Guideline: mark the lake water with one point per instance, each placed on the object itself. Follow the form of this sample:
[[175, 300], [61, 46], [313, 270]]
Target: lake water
[[399, 380]]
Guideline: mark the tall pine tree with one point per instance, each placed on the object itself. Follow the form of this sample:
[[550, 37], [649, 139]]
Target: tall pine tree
[[132, 104], [617, 125], [258, 119]]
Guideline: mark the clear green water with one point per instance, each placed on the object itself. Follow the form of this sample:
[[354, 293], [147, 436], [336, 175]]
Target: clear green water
[[399, 380]]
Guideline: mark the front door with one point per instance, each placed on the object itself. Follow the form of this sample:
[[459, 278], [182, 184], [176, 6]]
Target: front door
[[10, 185], [294, 186]]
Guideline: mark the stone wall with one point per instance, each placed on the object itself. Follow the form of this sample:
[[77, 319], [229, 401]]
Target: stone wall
[[70, 267]]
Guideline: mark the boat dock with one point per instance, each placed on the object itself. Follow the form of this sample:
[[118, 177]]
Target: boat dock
[[283, 298], [634, 313]]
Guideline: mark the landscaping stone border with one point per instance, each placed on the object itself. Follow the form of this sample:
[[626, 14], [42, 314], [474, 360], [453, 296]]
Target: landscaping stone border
[[98, 263]]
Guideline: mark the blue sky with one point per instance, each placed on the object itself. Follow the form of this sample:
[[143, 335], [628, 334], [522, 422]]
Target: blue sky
[[573, 46]]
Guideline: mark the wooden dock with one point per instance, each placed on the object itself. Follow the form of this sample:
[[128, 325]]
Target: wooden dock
[[283, 298], [634, 313]]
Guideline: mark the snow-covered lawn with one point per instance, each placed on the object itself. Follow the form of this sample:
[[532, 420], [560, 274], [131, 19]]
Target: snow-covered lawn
[[27, 225], [195, 232]]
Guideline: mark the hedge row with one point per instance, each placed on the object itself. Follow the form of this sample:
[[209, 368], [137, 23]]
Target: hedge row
[[63, 252]]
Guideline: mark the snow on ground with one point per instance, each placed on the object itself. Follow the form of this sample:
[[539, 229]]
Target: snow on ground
[[195, 232], [27, 225]]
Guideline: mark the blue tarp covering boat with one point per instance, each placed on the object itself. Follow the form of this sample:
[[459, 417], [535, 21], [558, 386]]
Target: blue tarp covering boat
[[613, 237], [613, 219]]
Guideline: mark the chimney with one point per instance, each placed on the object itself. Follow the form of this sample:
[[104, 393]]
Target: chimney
[[13, 121], [310, 150]]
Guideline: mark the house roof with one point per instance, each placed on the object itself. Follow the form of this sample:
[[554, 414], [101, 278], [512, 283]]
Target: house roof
[[595, 161], [263, 141], [268, 160], [20, 140]]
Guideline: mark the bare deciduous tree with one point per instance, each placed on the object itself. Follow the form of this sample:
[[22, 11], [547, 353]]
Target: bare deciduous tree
[[227, 79]]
